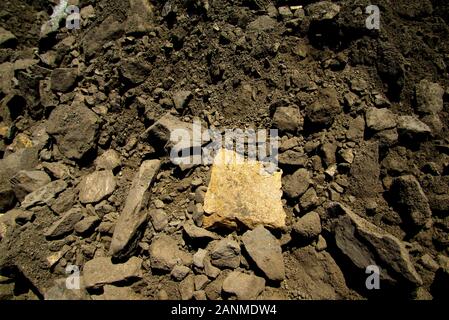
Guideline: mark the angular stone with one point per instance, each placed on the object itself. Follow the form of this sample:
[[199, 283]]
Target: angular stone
[[265, 250], [65, 225], [165, 254], [95, 38], [63, 79], [135, 70], [161, 131], [309, 199], [225, 253], [366, 244], [57, 170], [195, 232], [109, 160], [101, 271], [316, 275], [288, 119], [429, 97], [75, 129], [133, 216], [201, 281], [159, 219], [187, 287], [45, 194], [25, 182], [181, 99], [97, 186], [380, 119], [87, 225], [244, 286], [296, 184], [412, 202], [309, 226], [241, 192], [412, 128], [179, 272], [323, 111], [198, 258]]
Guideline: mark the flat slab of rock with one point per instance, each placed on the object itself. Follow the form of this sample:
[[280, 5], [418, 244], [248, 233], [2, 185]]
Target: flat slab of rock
[[44, 194], [97, 186], [244, 286], [266, 252], [101, 271], [132, 215], [366, 244], [242, 192]]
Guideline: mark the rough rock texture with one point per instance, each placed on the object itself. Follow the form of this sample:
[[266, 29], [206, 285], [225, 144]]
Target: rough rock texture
[[165, 254], [242, 193], [97, 186], [266, 252], [414, 205], [244, 286], [366, 244], [75, 129], [132, 216], [101, 271]]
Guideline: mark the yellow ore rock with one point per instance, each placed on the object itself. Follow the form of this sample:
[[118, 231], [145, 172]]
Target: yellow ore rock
[[242, 193]]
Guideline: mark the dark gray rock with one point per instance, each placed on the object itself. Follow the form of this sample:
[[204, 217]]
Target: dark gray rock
[[75, 129], [225, 253], [309, 226], [296, 184], [322, 112], [265, 250], [132, 217], [365, 244], [63, 79]]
